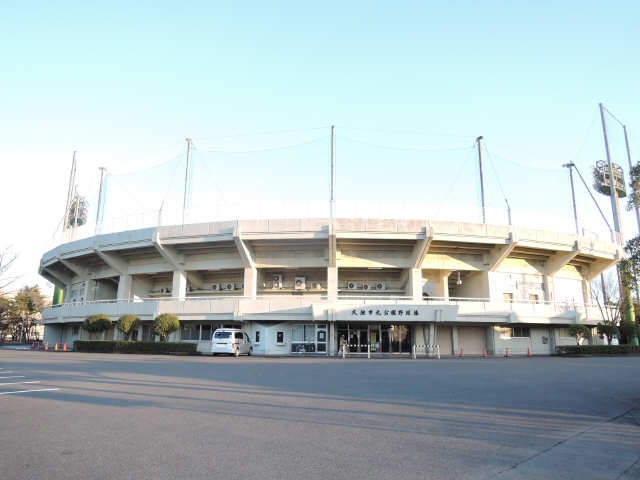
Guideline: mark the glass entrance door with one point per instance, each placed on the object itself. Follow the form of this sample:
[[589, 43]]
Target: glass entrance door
[[358, 339]]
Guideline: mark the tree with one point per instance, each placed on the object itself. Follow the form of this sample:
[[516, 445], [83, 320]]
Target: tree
[[128, 324], [634, 183], [579, 331], [97, 323], [7, 257], [609, 329], [165, 324], [25, 312]]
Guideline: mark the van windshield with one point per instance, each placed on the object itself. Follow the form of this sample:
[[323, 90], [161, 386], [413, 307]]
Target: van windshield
[[222, 335]]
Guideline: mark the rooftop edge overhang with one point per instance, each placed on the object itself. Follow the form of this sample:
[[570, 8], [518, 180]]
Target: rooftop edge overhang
[[502, 239]]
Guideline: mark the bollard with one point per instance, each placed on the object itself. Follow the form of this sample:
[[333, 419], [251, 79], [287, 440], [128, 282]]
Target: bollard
[[528, 352], [507, 354], [484, 352], [369, 351], [461, 352], [344, 351], [413, 352], [33, 345], [438, 351]]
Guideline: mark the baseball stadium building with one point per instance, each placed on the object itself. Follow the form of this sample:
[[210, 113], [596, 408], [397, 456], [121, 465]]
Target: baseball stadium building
[[311, 285]]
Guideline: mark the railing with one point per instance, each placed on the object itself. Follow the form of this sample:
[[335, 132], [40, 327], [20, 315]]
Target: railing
[[273, 303]]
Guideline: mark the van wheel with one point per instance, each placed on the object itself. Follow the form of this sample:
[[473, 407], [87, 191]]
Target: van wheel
[[250, 351], [236, 352]]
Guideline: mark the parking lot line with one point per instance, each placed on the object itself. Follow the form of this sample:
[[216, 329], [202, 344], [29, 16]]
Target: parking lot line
[[13, 376], [27, 391], [16, 383]]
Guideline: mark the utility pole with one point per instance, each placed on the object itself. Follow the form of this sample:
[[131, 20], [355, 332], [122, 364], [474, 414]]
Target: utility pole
[[100, 193], [570, 166], [186, 179], [484, 213], [332, 203], [626, 142]]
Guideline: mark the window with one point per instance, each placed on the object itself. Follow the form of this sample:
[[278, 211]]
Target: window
[[280, 337], [258, 336], [534, 298], [239, 336], [563, 331], [75, 330], [520, 332], [189, 332], [219, 334], [508, 297]]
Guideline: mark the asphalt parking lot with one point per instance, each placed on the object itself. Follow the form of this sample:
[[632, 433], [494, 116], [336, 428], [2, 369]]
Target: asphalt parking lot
[[95, 416]]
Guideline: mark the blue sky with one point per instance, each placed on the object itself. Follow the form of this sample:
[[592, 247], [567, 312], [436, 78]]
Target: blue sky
[[124, 83]]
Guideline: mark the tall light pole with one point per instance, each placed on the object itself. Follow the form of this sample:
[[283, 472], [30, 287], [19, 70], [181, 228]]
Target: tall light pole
[[332, 201], [484, 212], [570, 166], [615, 207], [103, 171]]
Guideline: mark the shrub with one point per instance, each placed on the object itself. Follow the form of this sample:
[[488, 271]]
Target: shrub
[[127, 324], [609, 329], [579, 331], [624, 349], [165, 324], [97, 323], [124, 346]]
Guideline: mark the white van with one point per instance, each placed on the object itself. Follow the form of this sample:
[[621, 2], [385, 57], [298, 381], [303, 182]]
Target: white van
[[231, 341]]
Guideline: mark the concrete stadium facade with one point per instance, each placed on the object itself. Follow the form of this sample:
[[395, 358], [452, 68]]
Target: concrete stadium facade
[[311, 285]]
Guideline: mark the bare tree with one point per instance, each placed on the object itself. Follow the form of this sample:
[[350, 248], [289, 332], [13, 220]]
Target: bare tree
[[609, 302], [7, 257]]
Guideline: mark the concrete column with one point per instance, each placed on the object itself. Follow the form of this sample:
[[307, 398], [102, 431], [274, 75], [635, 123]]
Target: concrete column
[[443, 283], [250, 282], [414, 283], [491, 340], [586, 291], [124, 287], [88, 290], [179, 287], [454, 340], [332, 338], [332, 282], [548, 287], [431, 339]]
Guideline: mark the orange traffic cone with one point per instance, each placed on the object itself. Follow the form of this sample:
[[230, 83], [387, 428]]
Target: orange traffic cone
[[507, 354], [46, 346], [64, 347], [528, 352], [461, 352], [55, 349], [484, 352]]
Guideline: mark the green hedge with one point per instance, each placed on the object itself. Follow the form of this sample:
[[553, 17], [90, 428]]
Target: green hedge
[[124, 346], [599, 350]]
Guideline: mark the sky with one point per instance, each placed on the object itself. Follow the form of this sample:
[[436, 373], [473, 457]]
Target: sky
[[409, 86]]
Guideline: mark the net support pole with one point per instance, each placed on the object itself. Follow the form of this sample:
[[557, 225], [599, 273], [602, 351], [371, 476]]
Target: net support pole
[[484, 211], [626, 143], [100, 194], [186, 179]]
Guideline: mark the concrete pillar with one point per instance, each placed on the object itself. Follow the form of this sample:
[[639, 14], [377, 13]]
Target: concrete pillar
[[250, 282], [548, 287], [454, 340], [586, 291], [443, 283], [332, 338], [431, 338], [491, 340], [179, 287], [414, 284], [332, 282], [124, 287]]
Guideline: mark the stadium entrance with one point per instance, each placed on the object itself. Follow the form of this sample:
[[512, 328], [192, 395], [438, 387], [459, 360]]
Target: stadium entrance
[[379, 337]]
